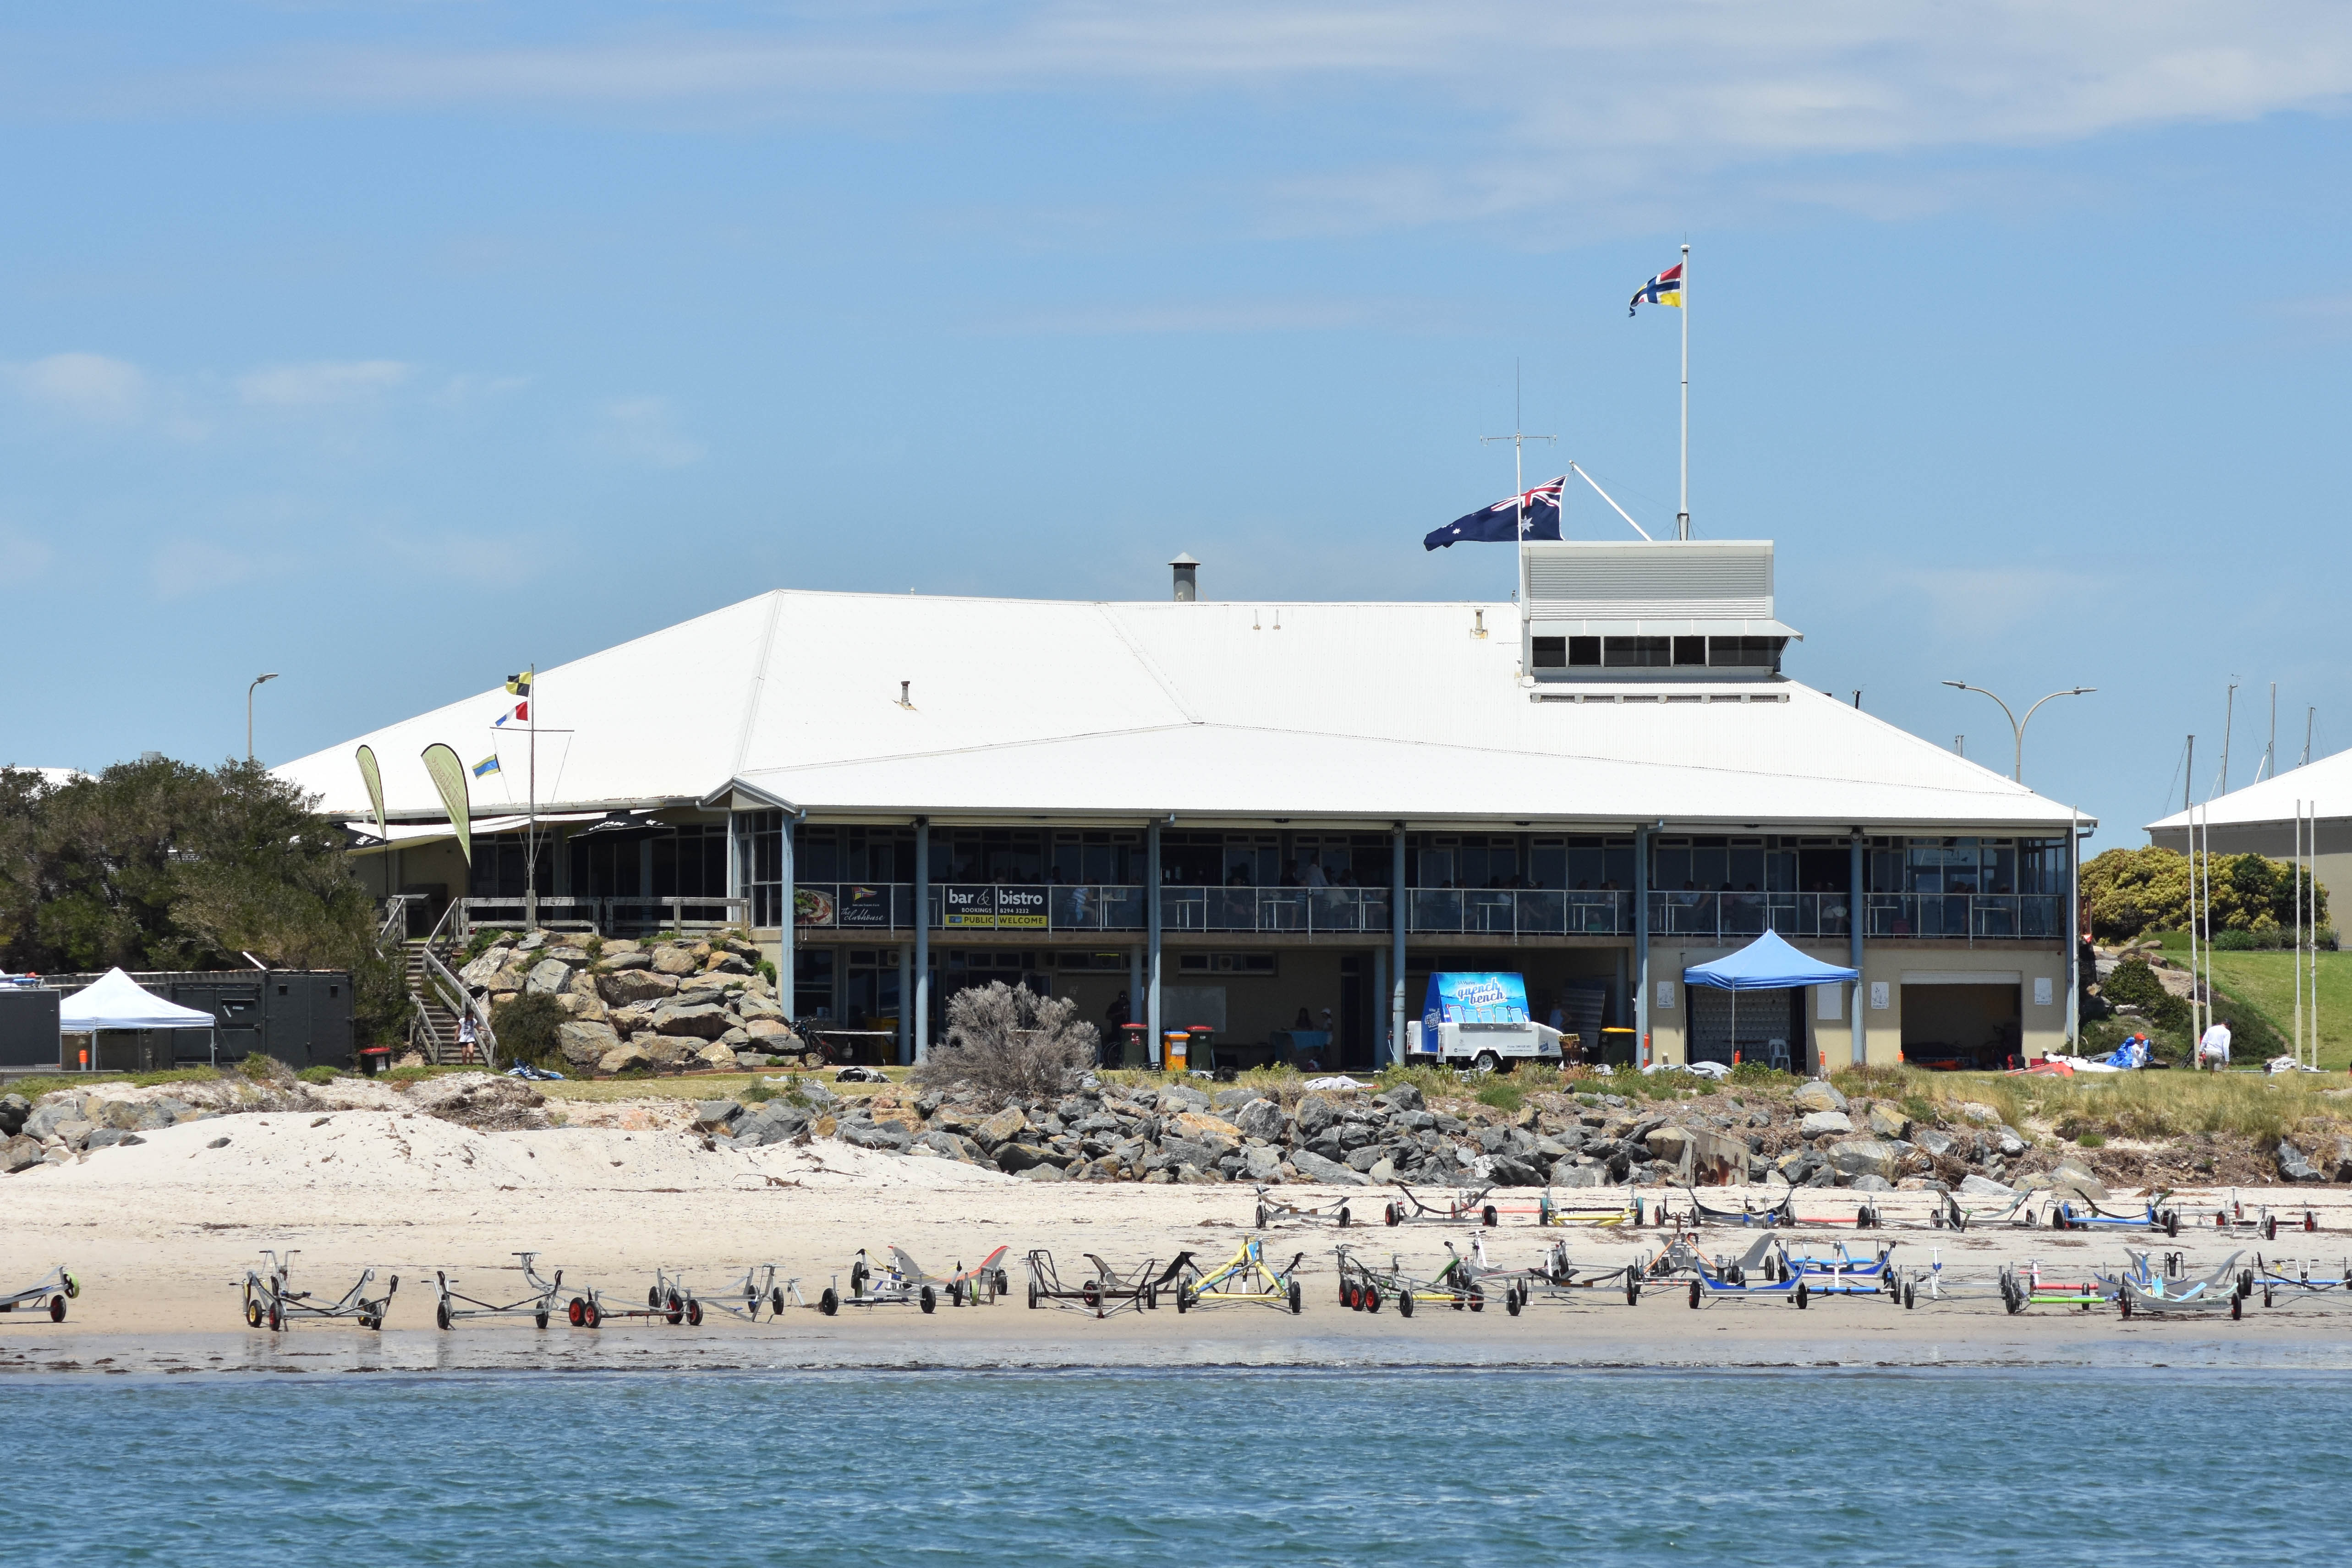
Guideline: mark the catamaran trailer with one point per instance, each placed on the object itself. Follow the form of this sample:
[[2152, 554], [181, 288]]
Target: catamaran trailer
[[451, 1307], [55, 1288], [271, 1300]]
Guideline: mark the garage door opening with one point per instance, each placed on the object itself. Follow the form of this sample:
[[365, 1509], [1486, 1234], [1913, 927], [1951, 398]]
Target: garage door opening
[[1955, 1027]]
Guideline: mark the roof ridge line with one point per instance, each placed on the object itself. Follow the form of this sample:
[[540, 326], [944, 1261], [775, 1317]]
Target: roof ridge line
[[1168, 688]]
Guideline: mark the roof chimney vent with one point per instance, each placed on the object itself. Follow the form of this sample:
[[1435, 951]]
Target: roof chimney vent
[[1188, 583]]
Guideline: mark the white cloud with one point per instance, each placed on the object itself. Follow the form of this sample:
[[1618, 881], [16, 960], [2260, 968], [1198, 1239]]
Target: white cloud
[[86, 386], [645, 430], [1567, 97], [320, 383]]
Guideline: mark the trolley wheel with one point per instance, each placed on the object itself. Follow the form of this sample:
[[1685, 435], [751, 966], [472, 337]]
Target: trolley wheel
[[1183, 1298], [858, 1278], [999, 1284], [2124, 1301], [2245, 1281], [2237, 1307], [252, 1313], [1298, 1304], [1694, 1295], [1391, 1215], [1487, 1217], [1371, 1298], [576, 1313], [440, 1315], [1801, 1295], [673, 1310], [1477, 1299], [2270, 1228], [2310, 1222], [694, 1314], [277, 1319], [1404, 1303], [1033, 1295], [58, 1309], [1260, 1222], [1344, 1218], [2058, 1219], [541, 1320], [2172, 1223], [1346, 1296], [654, 1298], [1091, 1294], [1910, 1297], [1151, 1298], [1862, 1217], [829, 1303], [372, 1323], [592, 1316], [930, 1300], [73, 1282], [2269, 1297]]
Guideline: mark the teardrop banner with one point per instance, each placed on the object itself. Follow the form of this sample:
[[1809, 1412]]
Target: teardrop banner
[[449, 775], [374, 778]]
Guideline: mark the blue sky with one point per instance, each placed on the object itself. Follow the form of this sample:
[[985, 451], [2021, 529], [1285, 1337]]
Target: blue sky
[[394, 345]]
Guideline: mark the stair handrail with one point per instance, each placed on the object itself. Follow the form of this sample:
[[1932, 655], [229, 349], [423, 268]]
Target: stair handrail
[[458, 999]]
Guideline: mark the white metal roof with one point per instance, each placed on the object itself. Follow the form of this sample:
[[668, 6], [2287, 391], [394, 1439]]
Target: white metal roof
[[2328, 780], [1362, 711]]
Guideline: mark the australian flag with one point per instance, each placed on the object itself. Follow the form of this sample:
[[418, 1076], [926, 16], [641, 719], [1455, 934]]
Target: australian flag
[[1535, 515]]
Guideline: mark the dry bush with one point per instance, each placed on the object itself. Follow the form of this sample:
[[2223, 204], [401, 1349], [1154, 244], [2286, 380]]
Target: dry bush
[[1006, 1043]]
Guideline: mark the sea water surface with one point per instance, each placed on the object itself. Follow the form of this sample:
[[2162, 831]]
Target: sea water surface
[[1198, 1467]]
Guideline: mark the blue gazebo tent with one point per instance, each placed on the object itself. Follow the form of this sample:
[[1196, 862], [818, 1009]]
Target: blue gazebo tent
[[1768, 963]]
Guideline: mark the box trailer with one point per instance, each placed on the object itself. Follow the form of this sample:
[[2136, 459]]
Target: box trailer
[[1479, 1021]]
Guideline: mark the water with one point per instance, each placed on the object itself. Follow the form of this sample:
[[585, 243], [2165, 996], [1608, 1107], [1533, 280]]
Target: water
[[1195, 1468]]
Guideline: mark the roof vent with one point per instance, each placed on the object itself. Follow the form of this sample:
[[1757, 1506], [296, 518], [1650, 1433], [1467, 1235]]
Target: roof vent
[[1188, 583]]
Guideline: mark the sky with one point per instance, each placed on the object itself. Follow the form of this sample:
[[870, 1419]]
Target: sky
[[392, 345]]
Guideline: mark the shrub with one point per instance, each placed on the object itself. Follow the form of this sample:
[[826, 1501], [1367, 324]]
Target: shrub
[[319, 1075], [526, 1029], [1758, 1076], [2128, 892], [260, 1067], [1007, 1042], [1503, 1094], [2092, 1141], [758, 1094], [2133, 984]]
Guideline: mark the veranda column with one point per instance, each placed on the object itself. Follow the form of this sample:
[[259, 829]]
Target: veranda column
[[1151, 938], [922, 938], [1854, 962], [1396, 944]]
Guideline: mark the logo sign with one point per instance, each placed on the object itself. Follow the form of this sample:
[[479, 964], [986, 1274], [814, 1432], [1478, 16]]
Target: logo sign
[[993, 908], [1476, 999], [813, 907], [865, 906]]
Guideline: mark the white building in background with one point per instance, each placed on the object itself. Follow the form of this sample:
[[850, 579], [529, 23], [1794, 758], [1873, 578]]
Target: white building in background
[[2260, 818], [1245, 812]]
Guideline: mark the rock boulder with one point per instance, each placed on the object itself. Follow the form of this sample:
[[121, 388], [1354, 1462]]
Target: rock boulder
[[1818, 1094], [586, 1044]]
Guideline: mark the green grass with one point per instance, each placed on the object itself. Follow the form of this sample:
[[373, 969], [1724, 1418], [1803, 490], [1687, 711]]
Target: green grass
[[2136, 1105], [34, 1088], [2263, 985]]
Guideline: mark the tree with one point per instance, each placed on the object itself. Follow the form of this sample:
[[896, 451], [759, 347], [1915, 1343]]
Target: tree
[[1006, 1043], [160, 865], [2128, 892]]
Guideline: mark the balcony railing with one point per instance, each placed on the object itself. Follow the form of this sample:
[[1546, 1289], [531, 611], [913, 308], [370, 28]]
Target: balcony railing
[[1978, 917], [605, 917], [885, 907]]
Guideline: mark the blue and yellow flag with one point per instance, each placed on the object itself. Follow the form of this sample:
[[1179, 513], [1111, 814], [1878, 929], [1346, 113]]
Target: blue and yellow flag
[[486, 766], [1665, 289]]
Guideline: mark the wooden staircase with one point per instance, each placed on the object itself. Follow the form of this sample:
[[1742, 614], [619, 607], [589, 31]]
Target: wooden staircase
[[434, 1028]]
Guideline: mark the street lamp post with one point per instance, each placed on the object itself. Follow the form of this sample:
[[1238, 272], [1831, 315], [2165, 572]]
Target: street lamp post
[[248, 712], [2017, 725]]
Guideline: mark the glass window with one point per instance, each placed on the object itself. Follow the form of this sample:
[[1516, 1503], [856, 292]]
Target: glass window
[[1583, 651], [1551, 653], [1690, 650], [1636, 653]]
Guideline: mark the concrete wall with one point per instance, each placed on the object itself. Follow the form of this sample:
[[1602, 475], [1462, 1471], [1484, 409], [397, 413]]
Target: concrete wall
[[1830, 1040]]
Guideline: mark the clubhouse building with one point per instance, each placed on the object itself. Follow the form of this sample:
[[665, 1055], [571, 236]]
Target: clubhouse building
[[1276, 820]]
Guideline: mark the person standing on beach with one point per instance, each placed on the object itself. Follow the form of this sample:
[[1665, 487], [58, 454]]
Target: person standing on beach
[[2213, 1050], [466, 1036]]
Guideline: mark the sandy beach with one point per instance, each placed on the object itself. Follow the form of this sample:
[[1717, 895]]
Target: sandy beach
[[160, 1233]]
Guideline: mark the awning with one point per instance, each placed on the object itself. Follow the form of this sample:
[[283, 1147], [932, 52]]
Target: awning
[[1768, 963], [115, 1001], [411, 834]]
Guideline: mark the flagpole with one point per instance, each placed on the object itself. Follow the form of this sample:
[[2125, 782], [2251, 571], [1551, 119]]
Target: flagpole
[[1682, 520], [531, 831]]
